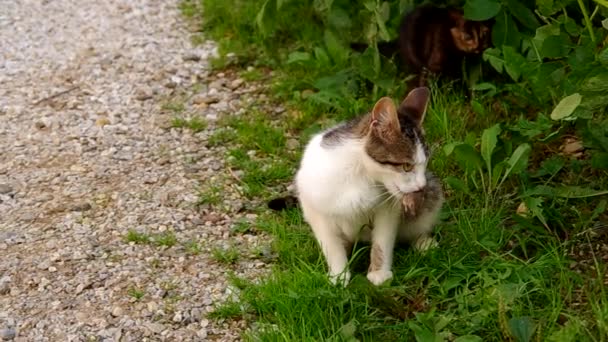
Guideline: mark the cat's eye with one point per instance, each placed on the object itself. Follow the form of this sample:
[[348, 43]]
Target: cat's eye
[[407, 167]]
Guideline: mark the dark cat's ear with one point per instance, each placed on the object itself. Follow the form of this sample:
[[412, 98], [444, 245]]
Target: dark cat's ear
[[384, 118], [415, 104]]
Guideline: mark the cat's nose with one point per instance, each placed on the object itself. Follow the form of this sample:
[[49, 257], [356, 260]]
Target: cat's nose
[[420, 183]]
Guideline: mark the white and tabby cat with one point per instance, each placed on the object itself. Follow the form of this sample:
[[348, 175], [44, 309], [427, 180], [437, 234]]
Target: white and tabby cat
[[366, 180]]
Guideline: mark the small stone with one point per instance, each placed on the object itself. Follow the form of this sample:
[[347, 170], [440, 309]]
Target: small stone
[[191, 57], [28, 216], [117, 311], [77, 168], [156, 328], [236, 83], [7, 334], [205, 98], [217, 84], [279, 109], [212, 217], [152, 306], [143, 94], [163, 161], [102, 122], [202, 333], [40, 125], [572, 146], [177, 317], [5, 189], [293, 144], [4, 288], [81, 207]]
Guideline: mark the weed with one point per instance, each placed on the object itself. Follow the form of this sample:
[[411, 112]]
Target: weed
[[166, 239], [226, 256], [177, 108], [137, 237], [221, 137], [210, 195], [193, 247], [136, 293], [195, 124]]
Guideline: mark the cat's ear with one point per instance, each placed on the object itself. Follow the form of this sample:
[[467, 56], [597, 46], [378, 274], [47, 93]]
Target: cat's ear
[[384, 118], [415, 104]]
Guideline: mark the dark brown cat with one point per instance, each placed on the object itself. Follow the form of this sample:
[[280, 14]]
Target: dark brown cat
[[435, 40]]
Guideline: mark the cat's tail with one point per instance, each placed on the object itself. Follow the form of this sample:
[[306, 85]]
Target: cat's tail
[[387, 49], [283, 203]]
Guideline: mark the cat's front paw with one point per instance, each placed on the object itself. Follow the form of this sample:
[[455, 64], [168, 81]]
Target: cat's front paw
[[379, 277], [341, 279], [425, 243]]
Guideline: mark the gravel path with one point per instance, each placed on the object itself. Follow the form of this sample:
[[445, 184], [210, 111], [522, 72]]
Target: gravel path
[[87, 154]]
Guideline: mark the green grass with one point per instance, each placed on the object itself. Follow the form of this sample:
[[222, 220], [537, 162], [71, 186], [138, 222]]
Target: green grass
[[494, 275], [210, 194], [136, 293], [137, 237], [166, 239], [195, 124], [226, 255]]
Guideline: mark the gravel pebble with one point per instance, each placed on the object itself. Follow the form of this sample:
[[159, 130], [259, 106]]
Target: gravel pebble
[[99, 197], [7, 334], [5, 189]]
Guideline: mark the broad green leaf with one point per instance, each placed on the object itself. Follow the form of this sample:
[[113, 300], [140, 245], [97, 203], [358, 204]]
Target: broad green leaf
[[535, 206], [518, 160], [478, 108], [521, 328], [484, 86], [456, 184], [594, 102], [544, 32], [505, 31], [599, 160], [265, 12], [321, 55], [599, 209], [496, 172], [577, 192], [340, 19], [545, 7], [370, 5], [566, 106], [336, 50], [449, 147], [489, 138], [573, 330], [468, 338], [298, 56], [565, 191], [523, 14], [385, 11], [571, 27], [493, 56], [514, 62], [383, 32], [556, 46], [550, 166], [598, 82], [348, 330], [480, 10], [468, 158], [603, 56]]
